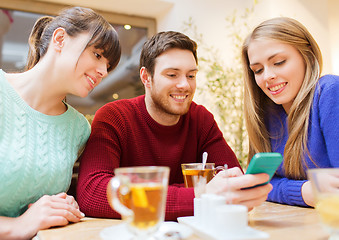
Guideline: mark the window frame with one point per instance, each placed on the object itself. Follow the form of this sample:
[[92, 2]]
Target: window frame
[[50, 8]]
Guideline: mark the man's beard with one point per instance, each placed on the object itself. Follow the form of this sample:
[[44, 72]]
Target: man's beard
[[162, 104]]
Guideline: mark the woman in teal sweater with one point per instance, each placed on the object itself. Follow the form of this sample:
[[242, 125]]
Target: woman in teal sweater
[[289, 108], [41, 135]]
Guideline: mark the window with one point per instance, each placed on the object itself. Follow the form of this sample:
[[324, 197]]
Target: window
[[17, 21]]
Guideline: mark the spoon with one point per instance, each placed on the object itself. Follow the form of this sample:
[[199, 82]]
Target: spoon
[[204, 160]]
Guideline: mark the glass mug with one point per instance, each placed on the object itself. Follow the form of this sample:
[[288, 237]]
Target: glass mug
[[326, 197], [190, 171], [139, 195]]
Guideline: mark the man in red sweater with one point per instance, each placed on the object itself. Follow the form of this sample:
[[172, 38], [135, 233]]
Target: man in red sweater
[[161, 128]]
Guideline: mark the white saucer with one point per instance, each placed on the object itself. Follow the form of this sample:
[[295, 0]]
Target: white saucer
[[248, 233], [167, 227], [121, 232], [116, 232]]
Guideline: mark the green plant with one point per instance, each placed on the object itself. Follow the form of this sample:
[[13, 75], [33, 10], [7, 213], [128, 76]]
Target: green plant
[[224, 83]]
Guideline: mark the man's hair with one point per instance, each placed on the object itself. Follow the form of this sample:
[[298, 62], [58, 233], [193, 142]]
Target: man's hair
[[160, 43]]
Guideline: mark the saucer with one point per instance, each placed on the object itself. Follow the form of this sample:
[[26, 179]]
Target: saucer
[[116, 232], [121, 232], [173, 227], [247, 233]]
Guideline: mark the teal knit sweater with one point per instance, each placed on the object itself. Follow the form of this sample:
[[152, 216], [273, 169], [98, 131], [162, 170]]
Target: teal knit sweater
[[37, 151]]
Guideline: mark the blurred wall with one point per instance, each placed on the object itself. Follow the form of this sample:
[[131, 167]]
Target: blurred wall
[[320, 17], [333, 16]]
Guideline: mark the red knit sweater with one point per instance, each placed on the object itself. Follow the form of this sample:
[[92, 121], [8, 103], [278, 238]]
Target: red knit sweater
[[124, 134]]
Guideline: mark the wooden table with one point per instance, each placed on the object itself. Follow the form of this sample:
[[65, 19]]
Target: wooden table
[[281, 222], [285, 222]]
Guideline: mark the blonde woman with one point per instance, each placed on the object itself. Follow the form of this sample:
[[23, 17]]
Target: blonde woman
[[40, 134], [289, 108]]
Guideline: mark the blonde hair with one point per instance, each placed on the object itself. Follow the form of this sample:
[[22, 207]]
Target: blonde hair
[[257, 104]]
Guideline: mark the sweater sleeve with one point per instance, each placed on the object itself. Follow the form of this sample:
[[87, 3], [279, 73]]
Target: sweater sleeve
[[286, 191], [179, 202], [97, 164]]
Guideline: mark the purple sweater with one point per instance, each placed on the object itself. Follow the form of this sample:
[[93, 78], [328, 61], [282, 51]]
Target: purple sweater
[[323, 140]]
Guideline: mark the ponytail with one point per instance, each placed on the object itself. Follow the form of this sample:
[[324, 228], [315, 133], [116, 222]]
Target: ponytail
[[75, 20], [36, 46]]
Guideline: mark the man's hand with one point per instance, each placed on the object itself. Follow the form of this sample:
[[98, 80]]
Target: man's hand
[[231, 183]]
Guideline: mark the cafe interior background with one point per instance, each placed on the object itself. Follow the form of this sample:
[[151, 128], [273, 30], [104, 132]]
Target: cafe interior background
[[218, 26]]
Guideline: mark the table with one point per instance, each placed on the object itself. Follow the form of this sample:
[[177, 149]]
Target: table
[[282, 222], [285, 222]]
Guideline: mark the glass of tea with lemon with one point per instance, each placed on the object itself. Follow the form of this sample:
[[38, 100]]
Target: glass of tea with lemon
[[139, 195], [325, 185], [191, 170]]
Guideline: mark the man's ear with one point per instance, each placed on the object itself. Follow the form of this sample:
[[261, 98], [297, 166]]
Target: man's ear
[[58, 38], [145, 77]]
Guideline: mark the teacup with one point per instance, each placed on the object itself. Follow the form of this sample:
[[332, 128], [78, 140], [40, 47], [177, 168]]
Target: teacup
[[194, 170], [325, 186], [139, 195]]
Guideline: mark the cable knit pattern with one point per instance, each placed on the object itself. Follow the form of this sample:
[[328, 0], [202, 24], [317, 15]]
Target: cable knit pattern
[[37, 151], [323, 140]]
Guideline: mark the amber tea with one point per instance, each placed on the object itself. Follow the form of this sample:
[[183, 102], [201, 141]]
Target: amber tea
[[145, 200], [139, 195], [194, 170], [190, 173]]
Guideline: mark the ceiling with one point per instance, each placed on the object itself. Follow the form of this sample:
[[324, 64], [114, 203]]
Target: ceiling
[[145, 8]]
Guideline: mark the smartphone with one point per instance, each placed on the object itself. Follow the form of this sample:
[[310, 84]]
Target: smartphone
[[265, 162]]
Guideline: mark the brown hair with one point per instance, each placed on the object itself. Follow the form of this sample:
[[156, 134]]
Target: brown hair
[[75, 20], [162, 42], [256, 103]]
